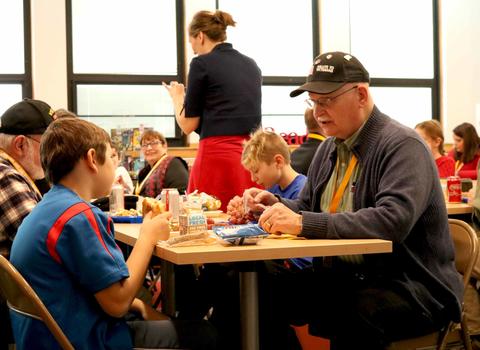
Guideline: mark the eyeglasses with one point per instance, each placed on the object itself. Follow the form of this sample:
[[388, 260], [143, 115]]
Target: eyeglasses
[[31, 138], [327, 101], [151, 144]]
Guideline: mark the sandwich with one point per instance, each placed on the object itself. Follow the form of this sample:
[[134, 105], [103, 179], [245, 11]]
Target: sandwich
[[152, 205]]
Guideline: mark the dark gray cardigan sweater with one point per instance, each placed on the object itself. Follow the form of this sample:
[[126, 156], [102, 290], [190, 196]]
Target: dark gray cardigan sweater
[[397, 197]]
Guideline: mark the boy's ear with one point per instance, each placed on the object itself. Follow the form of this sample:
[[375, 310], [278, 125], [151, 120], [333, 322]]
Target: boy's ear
[[279, 160], [91, 160]]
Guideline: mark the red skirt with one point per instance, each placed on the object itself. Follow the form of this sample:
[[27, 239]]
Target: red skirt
[[218, 170]]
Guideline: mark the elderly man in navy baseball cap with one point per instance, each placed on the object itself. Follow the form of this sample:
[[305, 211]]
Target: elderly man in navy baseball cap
[[372, 178]]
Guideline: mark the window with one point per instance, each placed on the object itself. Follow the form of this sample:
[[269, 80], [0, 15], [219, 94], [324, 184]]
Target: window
[[116, 78], [282, 37], [15, 71], [398, 48]]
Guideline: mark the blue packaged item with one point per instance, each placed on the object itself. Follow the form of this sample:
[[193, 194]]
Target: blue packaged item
[[127, 219], [240, 234]]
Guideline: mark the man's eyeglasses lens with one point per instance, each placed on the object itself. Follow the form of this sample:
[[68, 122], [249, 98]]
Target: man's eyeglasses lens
[[325, 102], [31, 138]]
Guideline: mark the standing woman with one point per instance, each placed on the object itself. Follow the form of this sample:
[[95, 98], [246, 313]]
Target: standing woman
[[465, 151], [222, 104]]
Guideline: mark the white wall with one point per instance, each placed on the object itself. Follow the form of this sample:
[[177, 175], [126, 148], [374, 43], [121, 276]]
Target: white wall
[[49, 52], [460, 56], [460, 29]]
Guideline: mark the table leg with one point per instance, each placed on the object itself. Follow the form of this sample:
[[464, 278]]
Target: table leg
[[249, 310], [168, 288]]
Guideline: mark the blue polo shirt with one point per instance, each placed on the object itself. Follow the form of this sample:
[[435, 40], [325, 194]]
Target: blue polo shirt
[[292, 190], [66, 250], [225, 90]]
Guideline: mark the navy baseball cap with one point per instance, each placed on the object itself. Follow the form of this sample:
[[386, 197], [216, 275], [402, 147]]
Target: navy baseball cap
[[26, 117], [332, 70]]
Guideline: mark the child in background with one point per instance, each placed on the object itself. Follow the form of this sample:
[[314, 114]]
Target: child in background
[[66, 250], [431, 132], [267, 157], [122, 177]]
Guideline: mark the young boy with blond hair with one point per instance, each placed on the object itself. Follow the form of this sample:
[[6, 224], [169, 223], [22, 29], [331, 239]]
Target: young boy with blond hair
[[267, 157], [65, 249]]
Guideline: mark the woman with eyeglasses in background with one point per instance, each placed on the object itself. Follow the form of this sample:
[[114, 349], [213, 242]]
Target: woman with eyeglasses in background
[[465, 151], [222, 103], [161, 170]]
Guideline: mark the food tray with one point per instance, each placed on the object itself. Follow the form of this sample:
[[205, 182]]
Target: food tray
[[127, 219]]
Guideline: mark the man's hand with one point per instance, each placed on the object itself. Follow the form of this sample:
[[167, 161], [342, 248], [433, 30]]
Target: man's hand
[[279, 219]]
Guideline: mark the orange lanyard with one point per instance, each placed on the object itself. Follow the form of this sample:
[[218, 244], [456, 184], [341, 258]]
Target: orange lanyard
[[458, 166], [316, 136], [338, 193]]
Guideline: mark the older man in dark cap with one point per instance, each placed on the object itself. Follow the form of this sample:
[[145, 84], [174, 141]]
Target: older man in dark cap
[[21, 127], [373, 178]]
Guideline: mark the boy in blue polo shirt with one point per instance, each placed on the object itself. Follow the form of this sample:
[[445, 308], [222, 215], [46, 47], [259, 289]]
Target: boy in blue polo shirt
[[66, 250], [267, 157]]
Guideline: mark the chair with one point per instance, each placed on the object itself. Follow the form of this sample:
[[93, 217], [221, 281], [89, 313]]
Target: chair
[[466, 254], [22, 298]]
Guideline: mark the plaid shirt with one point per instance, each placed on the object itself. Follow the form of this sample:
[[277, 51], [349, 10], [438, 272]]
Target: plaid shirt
[[17, 199]]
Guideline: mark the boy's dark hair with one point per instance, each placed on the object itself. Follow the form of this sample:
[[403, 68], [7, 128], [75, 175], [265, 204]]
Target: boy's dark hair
[[66, 141], [64, 113]]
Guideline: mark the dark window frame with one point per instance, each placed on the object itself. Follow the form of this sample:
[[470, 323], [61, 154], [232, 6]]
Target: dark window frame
[[25, 79], [434, 83], [127, 79]]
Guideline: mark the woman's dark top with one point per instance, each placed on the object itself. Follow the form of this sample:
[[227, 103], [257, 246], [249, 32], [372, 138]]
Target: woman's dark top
[[224, 90]]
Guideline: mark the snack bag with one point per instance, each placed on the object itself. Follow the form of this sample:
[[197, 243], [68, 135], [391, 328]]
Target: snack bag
[[240, 234]]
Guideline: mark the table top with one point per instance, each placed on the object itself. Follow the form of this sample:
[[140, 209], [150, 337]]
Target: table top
[[266, 248], [459, 208]]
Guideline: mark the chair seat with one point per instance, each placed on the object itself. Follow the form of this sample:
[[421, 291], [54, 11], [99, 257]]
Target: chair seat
[[423, 342]]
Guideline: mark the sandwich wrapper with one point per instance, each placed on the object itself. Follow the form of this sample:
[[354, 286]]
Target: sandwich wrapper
[[240, 234]]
